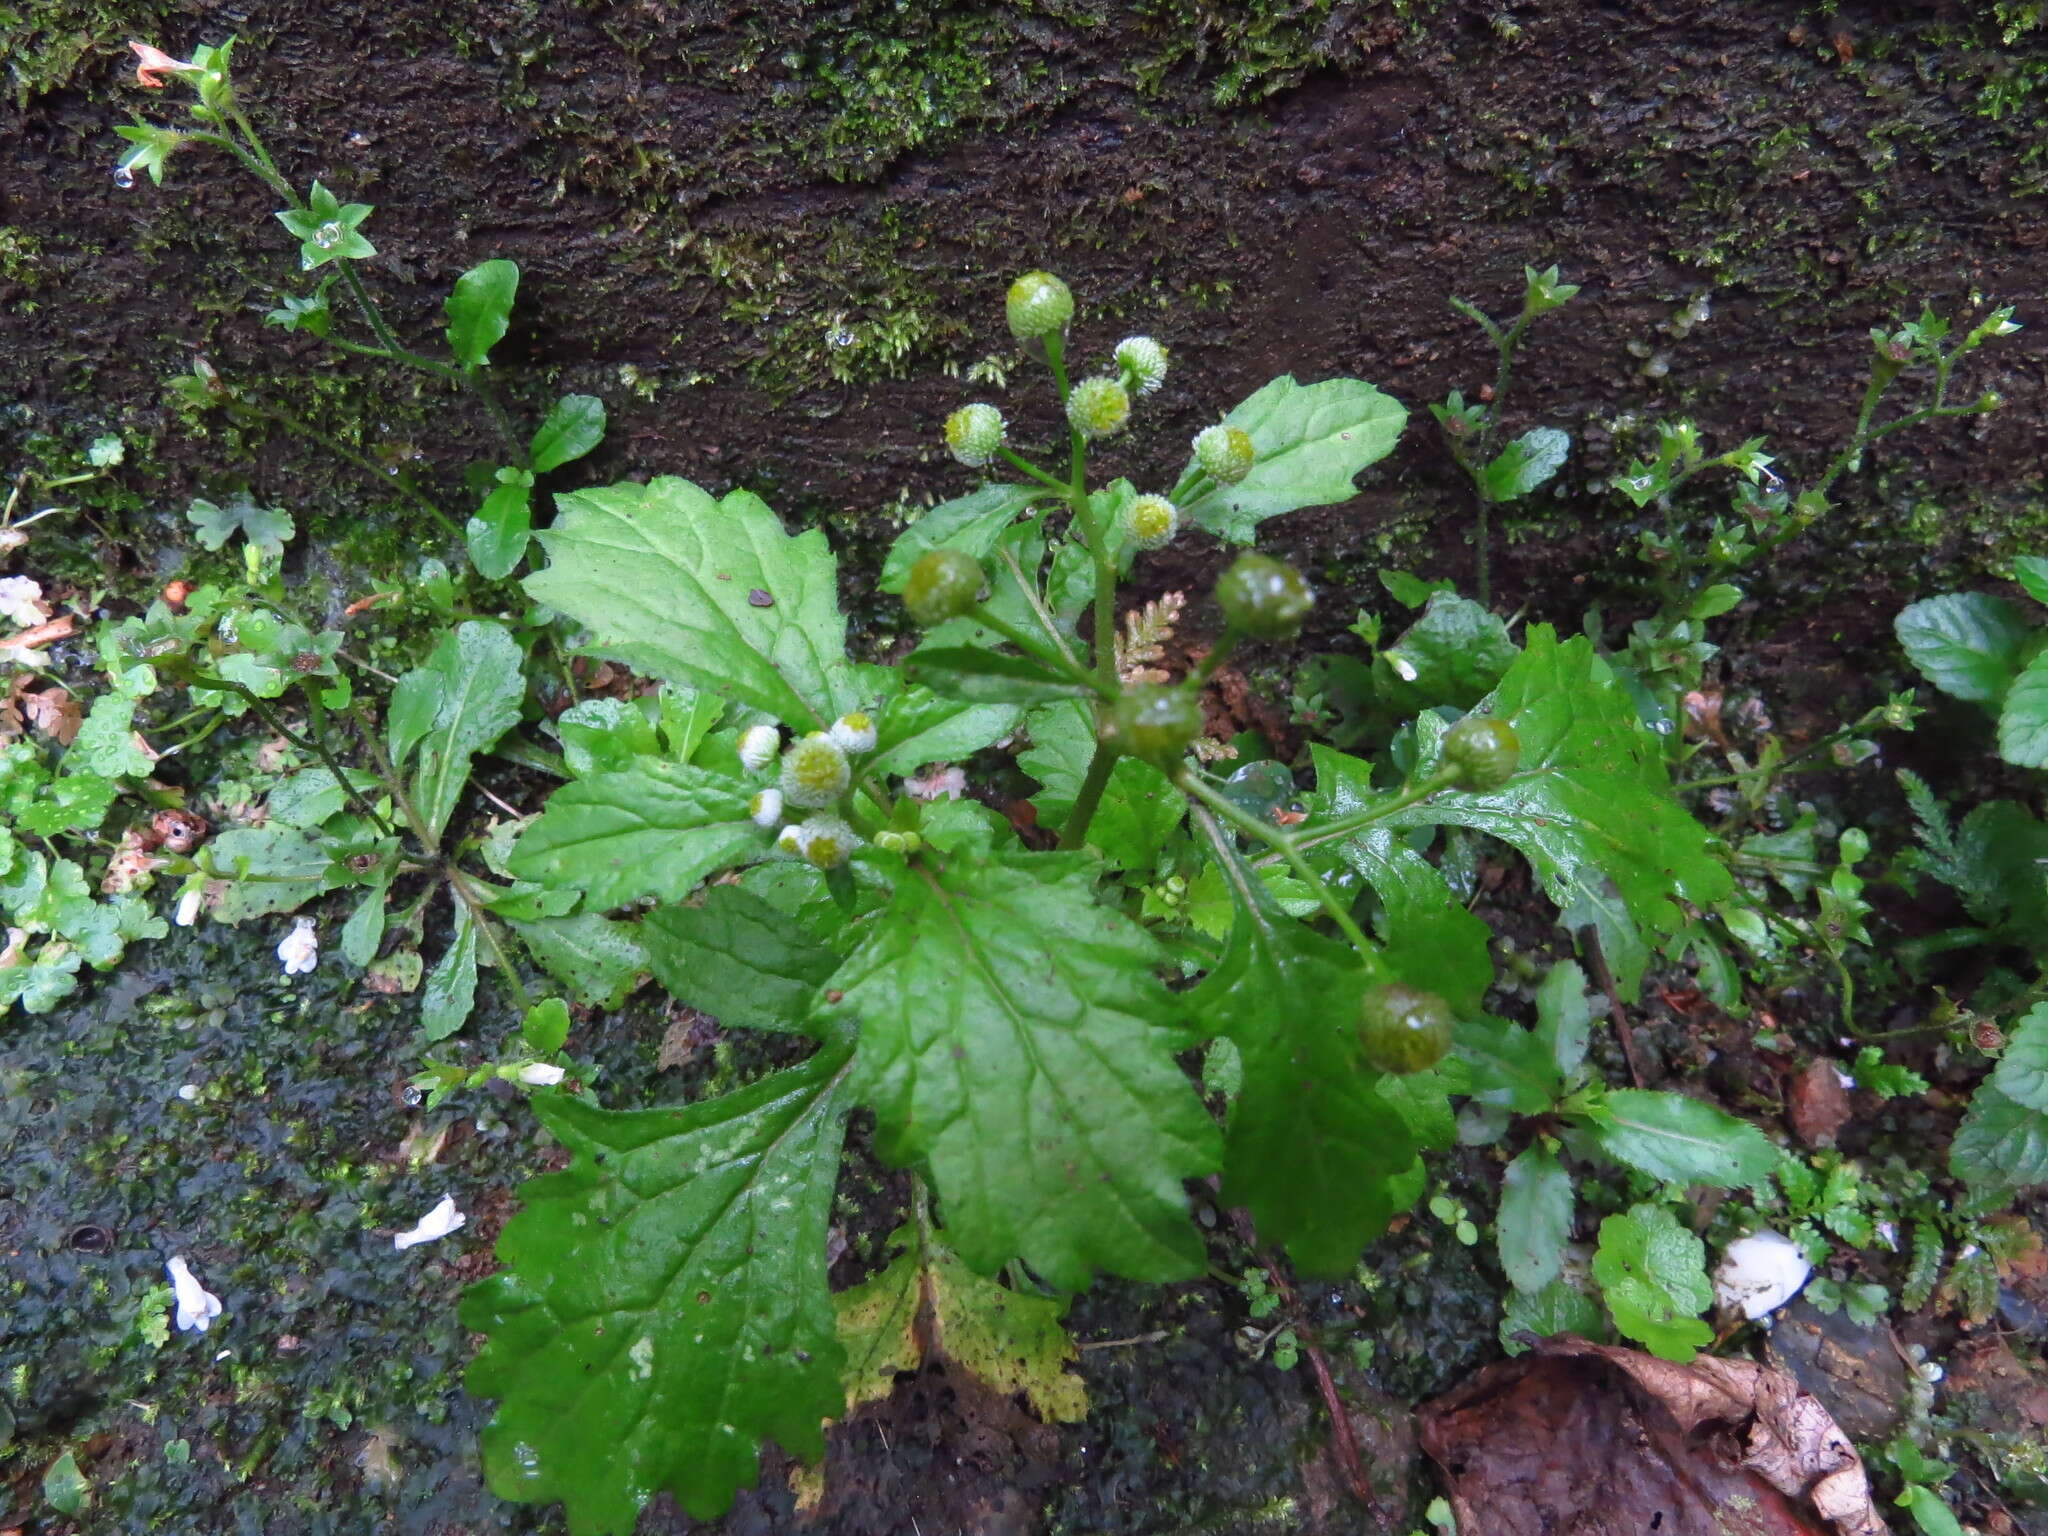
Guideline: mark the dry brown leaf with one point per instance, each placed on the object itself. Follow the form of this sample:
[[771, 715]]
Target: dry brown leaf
[[54, 712], [1819, 1104], [1143, 641], [1602, 1441]]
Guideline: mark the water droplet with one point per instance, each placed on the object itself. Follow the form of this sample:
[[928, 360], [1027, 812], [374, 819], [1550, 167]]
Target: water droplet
[[123, 177], [413, 1095], [329, 235]]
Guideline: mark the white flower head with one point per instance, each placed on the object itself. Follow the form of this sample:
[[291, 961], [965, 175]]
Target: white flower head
[[766, 808], [814, 771], [189, 1093], [540, 1074], [437, 1223], [1760, 1273], [794, 839], [197, 1307], [854, 733], [22, 601], [299, 951], [758, 746], [188, 907]]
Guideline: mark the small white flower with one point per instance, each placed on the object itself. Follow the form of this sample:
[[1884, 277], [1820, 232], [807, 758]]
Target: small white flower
[[438, 1222], [539, 1074], [197, 1306], [22, 601], [758, 746], [188, 907], [794, 840], [853, 733], [189, 1093], [1760, 1273], [766, 808], [300, 949]]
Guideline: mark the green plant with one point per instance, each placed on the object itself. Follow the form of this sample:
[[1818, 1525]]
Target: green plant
[[1652, 1276], [329, 232]]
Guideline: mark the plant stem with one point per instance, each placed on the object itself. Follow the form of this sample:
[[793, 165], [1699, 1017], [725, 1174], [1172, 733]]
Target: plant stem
[[1030, 647], [318, 748], [1357, 821], [1218, 654], [349, 455], [1253, 826], [1044, 615], [458, 885], [1017, 460], [1100, 766]]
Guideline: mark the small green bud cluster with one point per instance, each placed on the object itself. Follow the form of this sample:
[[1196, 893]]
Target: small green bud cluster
[[942, 585], [814, 771], [1225, 453], [1264, 598], [1038, 304], [1142, 362], [1150, 522], [1098, 407], [974, 433], [898, 842]]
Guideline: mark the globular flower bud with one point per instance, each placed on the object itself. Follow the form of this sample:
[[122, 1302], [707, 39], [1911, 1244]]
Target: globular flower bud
[[853, 733], [1143, 362], [758, 746], [1150, 522], [1483, 751], [1265, 598], [1038, 304], [766, 808], [1099, 407], [1404, 1029], [974, 433], [899, 842], [814, 771], [793, 839], [828, 841], [1157, 723], [943, 584], [1225, 453]]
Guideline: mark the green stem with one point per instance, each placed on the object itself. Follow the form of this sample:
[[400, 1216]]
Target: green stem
[[356, 802], [1218, 654], [1018, 461], [1029, 588], [349, 455], [1284, 845], [458, 884], [983, 615], [1100, 767], [1358, 821]]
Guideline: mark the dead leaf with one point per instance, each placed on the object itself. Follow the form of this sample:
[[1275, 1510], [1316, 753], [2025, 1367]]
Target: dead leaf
[[1819, 1104], [1601, 1441], [54, 712]]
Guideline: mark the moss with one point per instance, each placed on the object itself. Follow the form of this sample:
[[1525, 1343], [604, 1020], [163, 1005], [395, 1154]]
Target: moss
[[45, 44]]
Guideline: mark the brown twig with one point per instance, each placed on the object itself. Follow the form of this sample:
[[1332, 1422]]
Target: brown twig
[[1589, 937], [1349, 1466]]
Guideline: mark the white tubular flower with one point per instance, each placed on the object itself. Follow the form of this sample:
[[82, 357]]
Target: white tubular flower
[[758, 746], [437, 1223], [539, 1074], [1143, 362], [766, 808], [300, 950], [853, 733], [197, 1307], [814, 771], [1760, 1273], [21, 600], [188, 907]]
